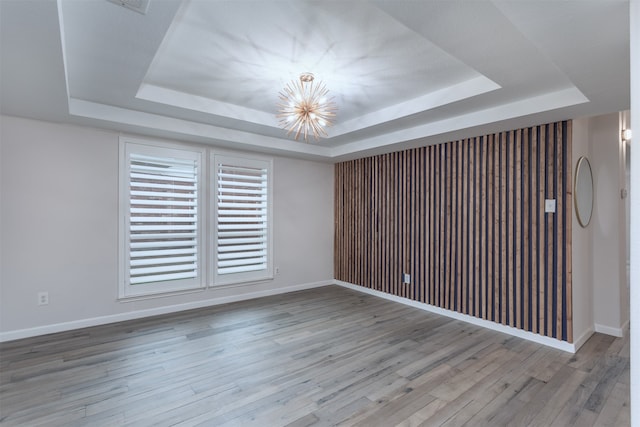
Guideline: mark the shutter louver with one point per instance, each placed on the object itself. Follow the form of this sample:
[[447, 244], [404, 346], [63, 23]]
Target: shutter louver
[[242, 239], [163, 222]]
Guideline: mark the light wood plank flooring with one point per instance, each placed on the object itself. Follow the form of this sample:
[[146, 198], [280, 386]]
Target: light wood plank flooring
[[327, 356]]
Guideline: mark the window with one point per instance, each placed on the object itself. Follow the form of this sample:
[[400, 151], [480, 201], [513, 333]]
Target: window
[[242, 219], [165, 201], [161, 219]]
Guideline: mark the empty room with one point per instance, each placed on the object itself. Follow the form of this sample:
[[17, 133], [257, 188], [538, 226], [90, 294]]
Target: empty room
[[319, 213]]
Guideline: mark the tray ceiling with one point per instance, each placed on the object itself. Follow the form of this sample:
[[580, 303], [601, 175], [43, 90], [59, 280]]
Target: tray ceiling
[[403, 73]]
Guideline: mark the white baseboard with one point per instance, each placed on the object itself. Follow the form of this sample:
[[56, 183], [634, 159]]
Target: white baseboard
[[530, 336], [608, 330], [579, 342], [102, 320]]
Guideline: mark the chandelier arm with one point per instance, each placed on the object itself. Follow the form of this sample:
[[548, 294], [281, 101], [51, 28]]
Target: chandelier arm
[[298, 126]]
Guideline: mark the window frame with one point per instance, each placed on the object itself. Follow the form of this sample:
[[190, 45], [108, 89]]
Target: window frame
[[130, 146], [207, 219], [239, 160]]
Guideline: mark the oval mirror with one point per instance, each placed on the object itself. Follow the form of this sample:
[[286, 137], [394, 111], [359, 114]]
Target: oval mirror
[[583, 191]]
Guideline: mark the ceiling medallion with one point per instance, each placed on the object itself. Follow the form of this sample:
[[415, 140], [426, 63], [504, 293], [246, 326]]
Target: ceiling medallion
[[304, 108]]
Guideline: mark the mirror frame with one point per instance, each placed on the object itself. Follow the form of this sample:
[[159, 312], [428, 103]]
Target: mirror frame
[[583, 167]]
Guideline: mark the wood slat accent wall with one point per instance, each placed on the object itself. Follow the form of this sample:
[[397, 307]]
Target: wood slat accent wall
[[466, 219]]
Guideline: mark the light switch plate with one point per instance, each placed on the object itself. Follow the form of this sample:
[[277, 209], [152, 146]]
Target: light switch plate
[[550, 205]]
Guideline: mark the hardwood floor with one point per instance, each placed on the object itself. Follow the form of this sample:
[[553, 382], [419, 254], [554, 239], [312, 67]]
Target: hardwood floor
[[327, 356]]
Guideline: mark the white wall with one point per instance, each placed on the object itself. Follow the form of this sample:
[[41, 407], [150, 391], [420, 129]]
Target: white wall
[[581, 249], [59, 229], [599, 251], [608, 225], [624, 218]]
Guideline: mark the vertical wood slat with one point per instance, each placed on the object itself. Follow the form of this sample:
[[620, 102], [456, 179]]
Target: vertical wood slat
[[550, 249], [477, 207], [431, 232], [410, 214], [490, 207], [567, 307], [459, 225], [558, 235], [508, 213], [526, 238], [518, 220], [483, 243], [464, 229], [448, 284], [534, 219], [440, 171], [466, 219], [505, 260], [386, 278]]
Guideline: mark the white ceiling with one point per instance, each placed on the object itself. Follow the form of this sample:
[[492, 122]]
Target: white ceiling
[[403, 73]]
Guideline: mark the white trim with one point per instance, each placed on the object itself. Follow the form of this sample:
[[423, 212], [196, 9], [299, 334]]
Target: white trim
[[128, 146], [139, 121], [530, 336], [231, 138], [102, 320], [242, 160], [582, 339], [608, 330]]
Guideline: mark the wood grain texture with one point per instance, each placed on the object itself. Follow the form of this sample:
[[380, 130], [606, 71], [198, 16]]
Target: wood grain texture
[[321, 357], [567, 306], [466, 219]]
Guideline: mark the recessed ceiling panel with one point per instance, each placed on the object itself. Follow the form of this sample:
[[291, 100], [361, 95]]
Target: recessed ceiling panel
[[244, 52]]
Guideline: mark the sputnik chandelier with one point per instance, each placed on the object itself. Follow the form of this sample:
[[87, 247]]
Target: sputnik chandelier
[[305, 109]]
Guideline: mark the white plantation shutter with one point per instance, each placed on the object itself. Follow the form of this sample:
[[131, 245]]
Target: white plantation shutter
[[242, 207], [162, 224]]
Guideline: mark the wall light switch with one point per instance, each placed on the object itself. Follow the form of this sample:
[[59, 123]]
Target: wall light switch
[[406, 278], [550, 205]]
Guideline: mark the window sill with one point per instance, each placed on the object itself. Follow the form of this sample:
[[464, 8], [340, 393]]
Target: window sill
[[155, 295]]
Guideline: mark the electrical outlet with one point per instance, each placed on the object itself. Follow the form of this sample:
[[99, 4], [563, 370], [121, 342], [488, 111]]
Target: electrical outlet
[[43, 298], [406, 278], [277, 271]]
